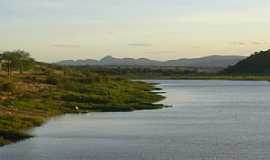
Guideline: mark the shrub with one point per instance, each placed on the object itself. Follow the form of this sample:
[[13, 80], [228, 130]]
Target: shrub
[[76, 98], [52, 80], [8, 87]]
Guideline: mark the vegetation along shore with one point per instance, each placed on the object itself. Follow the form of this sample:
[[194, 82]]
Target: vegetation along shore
[[32, 92]]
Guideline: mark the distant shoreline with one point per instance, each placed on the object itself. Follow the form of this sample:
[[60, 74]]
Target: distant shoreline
[[208, 77]]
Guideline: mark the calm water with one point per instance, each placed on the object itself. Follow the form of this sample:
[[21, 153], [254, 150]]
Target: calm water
[[211, 120]]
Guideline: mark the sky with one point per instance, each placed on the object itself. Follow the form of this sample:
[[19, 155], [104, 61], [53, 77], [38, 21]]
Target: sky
[[53, 30]]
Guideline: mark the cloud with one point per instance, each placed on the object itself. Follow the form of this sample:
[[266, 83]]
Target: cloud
[[260, 43], [238, 43], [162, 52], [140, 44], [66, 46], [256, 43]]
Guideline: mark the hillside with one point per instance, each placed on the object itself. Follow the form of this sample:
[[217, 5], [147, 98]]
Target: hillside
[[258, 63], [210, 61]]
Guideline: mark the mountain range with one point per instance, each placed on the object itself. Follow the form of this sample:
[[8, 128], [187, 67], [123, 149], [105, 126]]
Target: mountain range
[[209, 61]]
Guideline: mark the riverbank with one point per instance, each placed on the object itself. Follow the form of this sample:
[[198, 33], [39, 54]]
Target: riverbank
[[30, 99]]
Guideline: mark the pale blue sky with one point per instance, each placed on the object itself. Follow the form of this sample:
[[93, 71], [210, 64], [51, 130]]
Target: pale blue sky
[[72, 29]]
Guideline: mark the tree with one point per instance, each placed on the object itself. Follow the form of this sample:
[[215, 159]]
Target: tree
[[17, 60]]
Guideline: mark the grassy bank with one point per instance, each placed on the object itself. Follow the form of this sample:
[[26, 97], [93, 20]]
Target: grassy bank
[[30, 99]]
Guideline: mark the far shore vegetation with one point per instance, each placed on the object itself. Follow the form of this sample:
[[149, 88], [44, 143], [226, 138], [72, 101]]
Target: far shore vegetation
[[256, 67], [160, 73]]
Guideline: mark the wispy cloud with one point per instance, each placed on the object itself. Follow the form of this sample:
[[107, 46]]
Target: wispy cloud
[[260, 43], [140, 44], [240, 43], [256, 43], [66, 46], [162, 52]]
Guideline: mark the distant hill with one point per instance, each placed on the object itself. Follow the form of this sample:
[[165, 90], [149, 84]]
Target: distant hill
[[210, 61], [258, 63]]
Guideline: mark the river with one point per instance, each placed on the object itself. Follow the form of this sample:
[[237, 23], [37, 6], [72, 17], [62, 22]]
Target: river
[[210, 120]]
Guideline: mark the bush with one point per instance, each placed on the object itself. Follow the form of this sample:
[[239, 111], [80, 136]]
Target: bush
[[76, 98], [13, 135], [86, 98], [52, 80], [7, 87]]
